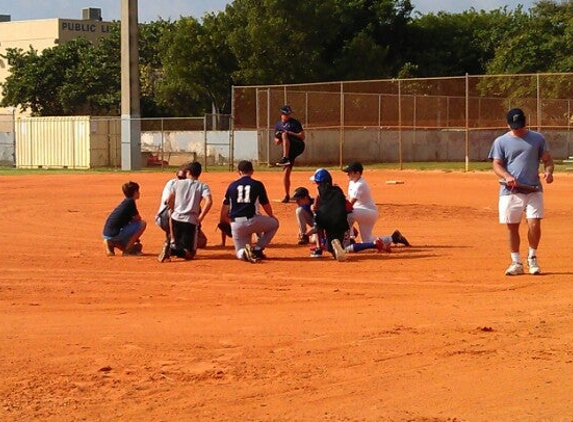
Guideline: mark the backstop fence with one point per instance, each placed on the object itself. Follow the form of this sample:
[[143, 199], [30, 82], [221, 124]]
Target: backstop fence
[[409, 120]]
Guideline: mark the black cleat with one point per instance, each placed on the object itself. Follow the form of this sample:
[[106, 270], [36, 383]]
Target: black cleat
[[303, 239], [259, 254], [283, 162], [135, 250], [286, 199], [398, 238]]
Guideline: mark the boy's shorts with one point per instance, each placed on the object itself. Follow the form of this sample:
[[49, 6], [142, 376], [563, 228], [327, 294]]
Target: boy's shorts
[[126, 233], [512, 207], [297, 147]]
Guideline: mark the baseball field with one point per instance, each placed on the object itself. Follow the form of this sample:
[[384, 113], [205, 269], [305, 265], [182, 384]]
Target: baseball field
[[433, 332]]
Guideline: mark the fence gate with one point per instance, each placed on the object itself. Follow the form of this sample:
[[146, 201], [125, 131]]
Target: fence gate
[[7, 140], [218, 141]]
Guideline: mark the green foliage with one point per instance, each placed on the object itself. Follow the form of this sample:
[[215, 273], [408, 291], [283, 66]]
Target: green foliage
[[369, 42], [79, 77], [197, 64], [448, 44], [47, 84], [539, 42], [187, 67], [278, 42]]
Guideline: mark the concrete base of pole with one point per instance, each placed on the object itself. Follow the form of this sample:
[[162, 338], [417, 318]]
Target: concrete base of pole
[[130, 143]]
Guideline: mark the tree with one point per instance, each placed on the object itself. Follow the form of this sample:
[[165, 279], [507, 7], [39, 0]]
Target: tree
[[43, 82], [79, 77], [151, 72], [198, 65], [539, 42], [277, 42], [453, 44], [369, 40]]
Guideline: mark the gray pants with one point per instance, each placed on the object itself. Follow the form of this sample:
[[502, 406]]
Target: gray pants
[[242, 229], [304, 218]]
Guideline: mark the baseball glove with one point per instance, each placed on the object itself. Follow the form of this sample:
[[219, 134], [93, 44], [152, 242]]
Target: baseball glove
[[201, 240], [225, 228], [279, 134]]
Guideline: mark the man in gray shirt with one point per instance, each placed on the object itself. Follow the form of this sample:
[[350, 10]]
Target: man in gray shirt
[[184, 201], [516, 156]]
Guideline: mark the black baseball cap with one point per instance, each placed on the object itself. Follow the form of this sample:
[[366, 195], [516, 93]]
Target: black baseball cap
[[286, 109], [300, 192], [355, 167], [516, 118]]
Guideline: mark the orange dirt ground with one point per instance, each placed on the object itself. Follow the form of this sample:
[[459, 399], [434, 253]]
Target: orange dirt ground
[[434, 332]]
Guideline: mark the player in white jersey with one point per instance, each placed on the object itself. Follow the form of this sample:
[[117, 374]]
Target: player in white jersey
[[364, 209]]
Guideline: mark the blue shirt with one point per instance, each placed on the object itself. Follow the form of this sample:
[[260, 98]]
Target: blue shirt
[[520, 157], [306, 207], [291, 125], [121, 216], [242, 196]]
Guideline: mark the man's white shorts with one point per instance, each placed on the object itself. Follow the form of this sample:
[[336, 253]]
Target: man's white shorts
[[512, 207]]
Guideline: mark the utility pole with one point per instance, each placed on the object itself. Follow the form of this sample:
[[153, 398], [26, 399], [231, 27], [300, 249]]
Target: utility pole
[[130, 109]]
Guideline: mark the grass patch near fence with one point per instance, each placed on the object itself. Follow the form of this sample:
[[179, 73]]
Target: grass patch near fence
[[419, 166]]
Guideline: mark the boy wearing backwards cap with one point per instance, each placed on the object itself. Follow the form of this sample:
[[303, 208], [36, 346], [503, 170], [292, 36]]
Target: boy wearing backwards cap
[[304, 215]]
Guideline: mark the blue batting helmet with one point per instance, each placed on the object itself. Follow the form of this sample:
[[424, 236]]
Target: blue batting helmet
[[321, 176]]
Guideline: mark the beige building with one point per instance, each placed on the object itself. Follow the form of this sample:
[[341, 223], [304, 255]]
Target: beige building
[[45, 33]]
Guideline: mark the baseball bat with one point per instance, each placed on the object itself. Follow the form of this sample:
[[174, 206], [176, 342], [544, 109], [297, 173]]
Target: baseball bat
[[530, 188]]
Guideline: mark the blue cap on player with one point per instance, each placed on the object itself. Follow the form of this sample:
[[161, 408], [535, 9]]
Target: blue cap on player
[[321, 176], [286, 109]]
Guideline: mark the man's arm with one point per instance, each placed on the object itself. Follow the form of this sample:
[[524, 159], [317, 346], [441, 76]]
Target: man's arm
[[549, 166], [206, 208], [300, 135], [269, 210], [224, 216], [499, 169], [171, 201]]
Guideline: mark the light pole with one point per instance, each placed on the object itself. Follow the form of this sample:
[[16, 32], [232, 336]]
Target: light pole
[[130, 111]]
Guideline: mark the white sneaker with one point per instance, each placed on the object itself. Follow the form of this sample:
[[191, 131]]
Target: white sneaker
[[339, 251], [515, 268], [533, 266]]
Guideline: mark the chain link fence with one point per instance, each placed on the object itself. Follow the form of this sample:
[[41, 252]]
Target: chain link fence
[[81, 142], [176, 141], [409, 120]]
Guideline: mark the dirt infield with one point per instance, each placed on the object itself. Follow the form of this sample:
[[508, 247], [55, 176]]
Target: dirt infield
[[434, 332]]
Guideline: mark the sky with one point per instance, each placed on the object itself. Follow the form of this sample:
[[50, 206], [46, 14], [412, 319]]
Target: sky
[[153, 10]]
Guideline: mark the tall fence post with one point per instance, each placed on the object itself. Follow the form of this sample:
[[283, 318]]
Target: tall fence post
[[14, 133], [538, 103], [231, 142], [400, 123], [205, 141], [268, 126], [341, 131], [467, 123]]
